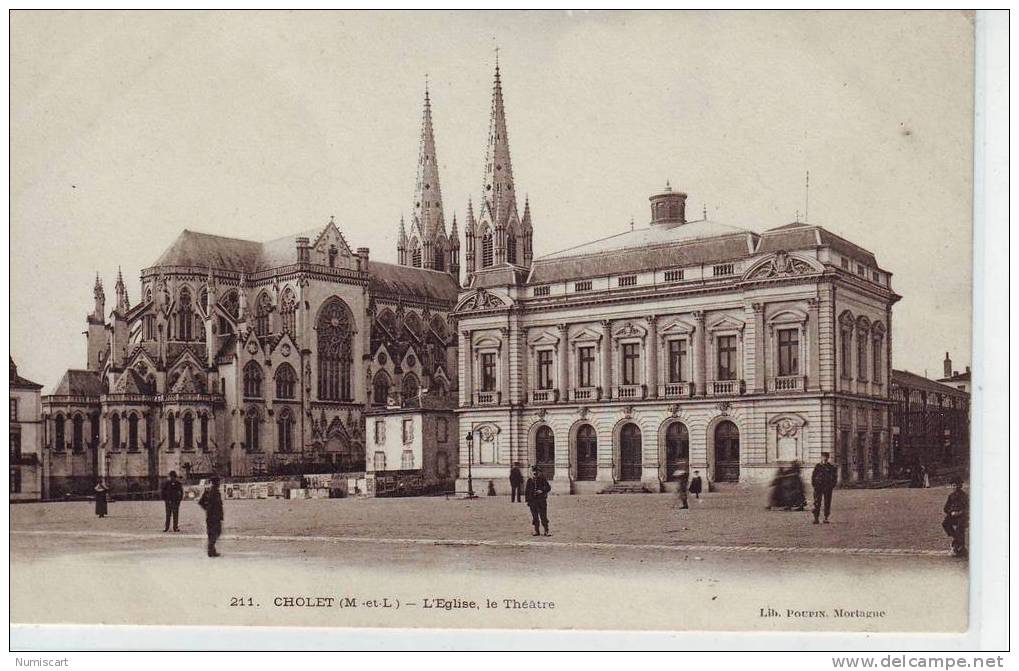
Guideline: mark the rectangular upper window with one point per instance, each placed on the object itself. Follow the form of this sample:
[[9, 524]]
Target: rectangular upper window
[[582, 286], [545, 369], [727, 357], [673, 275], [488, 371], [631, 363], [845, 263], [861, 271], [585, 364], [14, 409], [788, 352], [677, 361], [723, 269], [877, 277], [627, 280], [542, 291]]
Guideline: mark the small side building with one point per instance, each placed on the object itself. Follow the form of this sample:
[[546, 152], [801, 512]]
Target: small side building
[[412, 447], [930, 423], [25, 437]]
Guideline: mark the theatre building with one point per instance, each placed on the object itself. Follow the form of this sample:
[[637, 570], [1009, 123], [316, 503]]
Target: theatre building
[[685, 344]]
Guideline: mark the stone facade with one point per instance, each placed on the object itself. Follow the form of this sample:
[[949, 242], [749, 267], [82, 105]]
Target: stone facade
[[683, 345], [25, 434]]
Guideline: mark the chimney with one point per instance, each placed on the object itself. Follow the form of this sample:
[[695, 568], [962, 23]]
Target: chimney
[[948, 365], [303, 250], [362, 254]]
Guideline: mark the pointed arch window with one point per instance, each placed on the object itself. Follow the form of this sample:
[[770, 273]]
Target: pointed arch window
[[253, 380], [252, 424], [288, 312], [380, 388], [486, 250], [286, 381], [285, 432], [59, 439], [171, 431], [511, 248], [332, 255], [203, 424], [415, 257], [334, 351], [185, 315], [262, 311], [189, 431], [410, 386], [132, 432], [440, 258], [114, 431]]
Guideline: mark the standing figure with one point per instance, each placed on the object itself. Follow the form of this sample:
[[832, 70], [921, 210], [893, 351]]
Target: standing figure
[[775, 495], [516, 482], [696, 485], [683, 479], [823, 481], [212, 503], [957, 517], [536, 495], [172, 494], [101, 499]]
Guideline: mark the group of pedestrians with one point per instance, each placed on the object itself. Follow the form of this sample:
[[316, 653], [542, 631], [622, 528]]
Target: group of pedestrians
[[172, 493]]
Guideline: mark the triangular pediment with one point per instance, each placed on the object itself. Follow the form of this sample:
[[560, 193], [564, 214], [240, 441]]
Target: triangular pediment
[[727, 323], [586, 335], [677, 327], [331, 238], [543, 337]]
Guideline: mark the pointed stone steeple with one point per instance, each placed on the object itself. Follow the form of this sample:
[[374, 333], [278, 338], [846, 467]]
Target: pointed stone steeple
[[499, 197], [401, 244], [427, 244], [123, 304], [454, 250]]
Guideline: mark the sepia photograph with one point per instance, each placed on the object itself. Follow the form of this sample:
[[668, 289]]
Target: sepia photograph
[[515, 320]]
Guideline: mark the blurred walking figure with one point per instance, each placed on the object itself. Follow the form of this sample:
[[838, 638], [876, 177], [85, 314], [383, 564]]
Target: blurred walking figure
[[795, 493], [823, 481], [683, 478], [695, 485], [212, 503], [957, 517], [536, 495], [925, 477], [172, 494], [101, 499], [776, 492], [516, 482]]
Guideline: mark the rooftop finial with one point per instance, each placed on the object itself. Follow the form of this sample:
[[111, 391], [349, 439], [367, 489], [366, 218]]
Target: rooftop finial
[[426, 89], [705, 211], [631, 222], [332, 219]]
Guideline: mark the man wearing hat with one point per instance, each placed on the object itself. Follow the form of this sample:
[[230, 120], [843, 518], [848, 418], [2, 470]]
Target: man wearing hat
[[957, 517], [212, 503], [172, 494], [823, 480], [536, 495]]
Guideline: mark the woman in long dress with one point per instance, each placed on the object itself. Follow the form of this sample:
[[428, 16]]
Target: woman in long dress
[[101, 499]]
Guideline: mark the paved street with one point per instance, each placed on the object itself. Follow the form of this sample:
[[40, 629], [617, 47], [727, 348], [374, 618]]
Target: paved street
[[621, 561]]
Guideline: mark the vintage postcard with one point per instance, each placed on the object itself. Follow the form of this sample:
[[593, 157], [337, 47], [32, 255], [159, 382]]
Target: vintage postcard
[[517, 320]]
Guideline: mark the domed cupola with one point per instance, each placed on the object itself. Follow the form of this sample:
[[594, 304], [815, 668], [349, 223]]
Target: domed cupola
[[668, 208]]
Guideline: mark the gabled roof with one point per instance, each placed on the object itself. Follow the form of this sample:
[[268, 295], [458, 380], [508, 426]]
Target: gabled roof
[[389, 279], [79, 383], [204, 250], [642, 249]]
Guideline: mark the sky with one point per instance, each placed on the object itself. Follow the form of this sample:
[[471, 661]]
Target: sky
[[127, 128]]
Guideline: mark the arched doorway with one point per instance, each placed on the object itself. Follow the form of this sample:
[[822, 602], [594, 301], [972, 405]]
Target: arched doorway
[[677, 449], [544, 451], [630, 462], [726, 452], [587, 453]]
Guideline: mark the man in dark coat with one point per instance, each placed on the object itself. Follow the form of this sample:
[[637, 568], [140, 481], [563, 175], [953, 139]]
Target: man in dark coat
[[172, 494], [957, 517], [516, 482], [823, 480], [101, 490], [212, 503], [536, 495]]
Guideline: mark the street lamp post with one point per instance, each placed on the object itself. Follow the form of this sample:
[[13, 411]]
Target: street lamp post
[[470, 460]]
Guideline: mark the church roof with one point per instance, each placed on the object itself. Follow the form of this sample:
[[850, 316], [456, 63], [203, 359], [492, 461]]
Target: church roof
[[395, 280], [79, 383], [642, 249], [204, 250]]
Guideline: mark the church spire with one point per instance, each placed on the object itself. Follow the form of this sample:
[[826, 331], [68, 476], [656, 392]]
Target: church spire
[[498, 193], [428, 224]]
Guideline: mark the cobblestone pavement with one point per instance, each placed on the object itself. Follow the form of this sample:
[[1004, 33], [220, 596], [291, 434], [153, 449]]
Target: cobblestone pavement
[[907, 519]]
